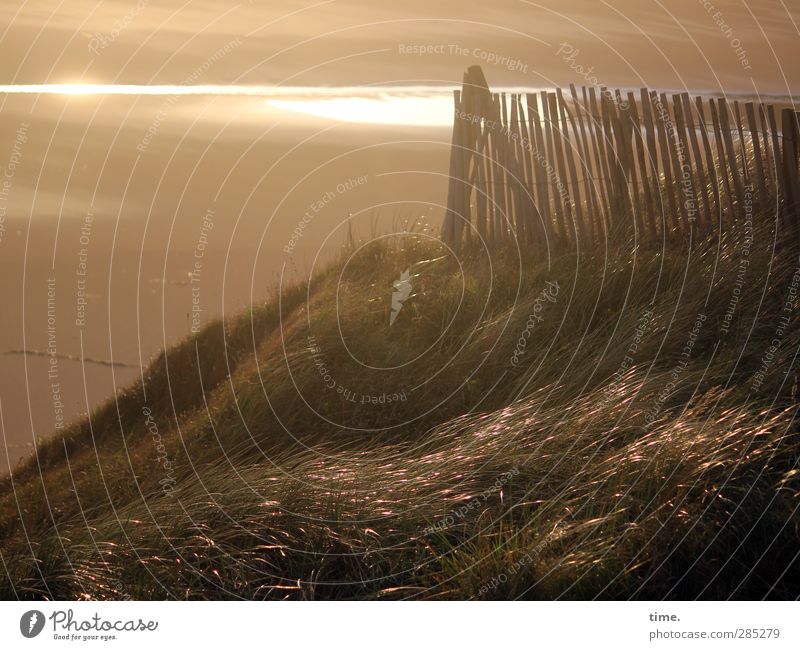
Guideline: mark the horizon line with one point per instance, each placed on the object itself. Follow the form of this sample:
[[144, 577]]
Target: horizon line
[[319, 91]]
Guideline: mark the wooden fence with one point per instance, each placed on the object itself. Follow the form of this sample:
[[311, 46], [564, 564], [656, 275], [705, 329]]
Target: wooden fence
[[569, 168]]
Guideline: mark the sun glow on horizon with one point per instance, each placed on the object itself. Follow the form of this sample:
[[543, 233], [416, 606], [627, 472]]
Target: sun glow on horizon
[[430, 110], [398, 105]]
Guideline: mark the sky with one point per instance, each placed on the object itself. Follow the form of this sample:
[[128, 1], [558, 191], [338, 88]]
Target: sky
[[680, 43]]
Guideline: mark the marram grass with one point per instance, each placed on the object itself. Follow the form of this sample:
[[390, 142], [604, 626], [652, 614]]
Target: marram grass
[[642, 445]]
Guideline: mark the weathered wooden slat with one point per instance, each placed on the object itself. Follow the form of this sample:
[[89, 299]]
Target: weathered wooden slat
[[791, 142], [465, 208], [560, 194], [759, 166], [619, 128], [491, 179], [540, 174], [476, 93], [505, 147], [592, 207], [701, 177], [526, 171], [671, 212], [526, 146], [722, 159], [481, 190], [551, 166], [688, 185], [491, 215], [561, 167], [448, 227], [569, 154], [464, 193], [626, 126], [616, 179], [603, 173], [498, 171], [742, 145], [722, 106], [596, 179], [672, 146], [491, 208], [623, 123], [769, 157], [626, 130], [711, 163], [516, 180], [780, 186], [648, 202], [653, 160], [470, 143]]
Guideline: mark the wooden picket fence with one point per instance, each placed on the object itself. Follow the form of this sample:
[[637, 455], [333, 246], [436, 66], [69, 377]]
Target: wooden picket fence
[[552, 168]]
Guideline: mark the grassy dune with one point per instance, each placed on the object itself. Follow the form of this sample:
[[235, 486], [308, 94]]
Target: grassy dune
[[609, 424]]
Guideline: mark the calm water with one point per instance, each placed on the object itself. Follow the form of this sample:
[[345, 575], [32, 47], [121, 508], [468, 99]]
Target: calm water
[[113, 200]]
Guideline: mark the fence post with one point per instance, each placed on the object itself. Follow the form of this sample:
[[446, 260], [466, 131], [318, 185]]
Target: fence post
[[672, 143], [751, 124], [671, 211], [769, 157], [612, 155], [649, 207], [499, 175], [780, 188], [732, 162], [691, 205], [702, 177], [592, 208], [711, 165], [552, 171], [480, 185], [526, 149], [573, 172], [722, 159], [449, 226], [652, 155], [542, 182], [791, 141], [519, 174], [742, 147]]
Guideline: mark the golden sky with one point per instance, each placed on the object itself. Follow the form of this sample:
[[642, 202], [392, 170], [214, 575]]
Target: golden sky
[[675, 43]]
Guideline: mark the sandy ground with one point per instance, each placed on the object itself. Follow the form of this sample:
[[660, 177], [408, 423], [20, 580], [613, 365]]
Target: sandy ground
[[96, 262]]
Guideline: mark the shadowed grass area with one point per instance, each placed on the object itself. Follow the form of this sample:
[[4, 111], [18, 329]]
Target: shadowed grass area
[[612, 424]]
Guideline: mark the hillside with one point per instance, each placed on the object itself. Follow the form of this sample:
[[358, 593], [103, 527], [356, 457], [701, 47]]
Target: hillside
[[613, 424]]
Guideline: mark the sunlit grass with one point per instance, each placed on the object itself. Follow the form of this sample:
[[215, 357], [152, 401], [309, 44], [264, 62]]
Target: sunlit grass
[[580, 487]]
